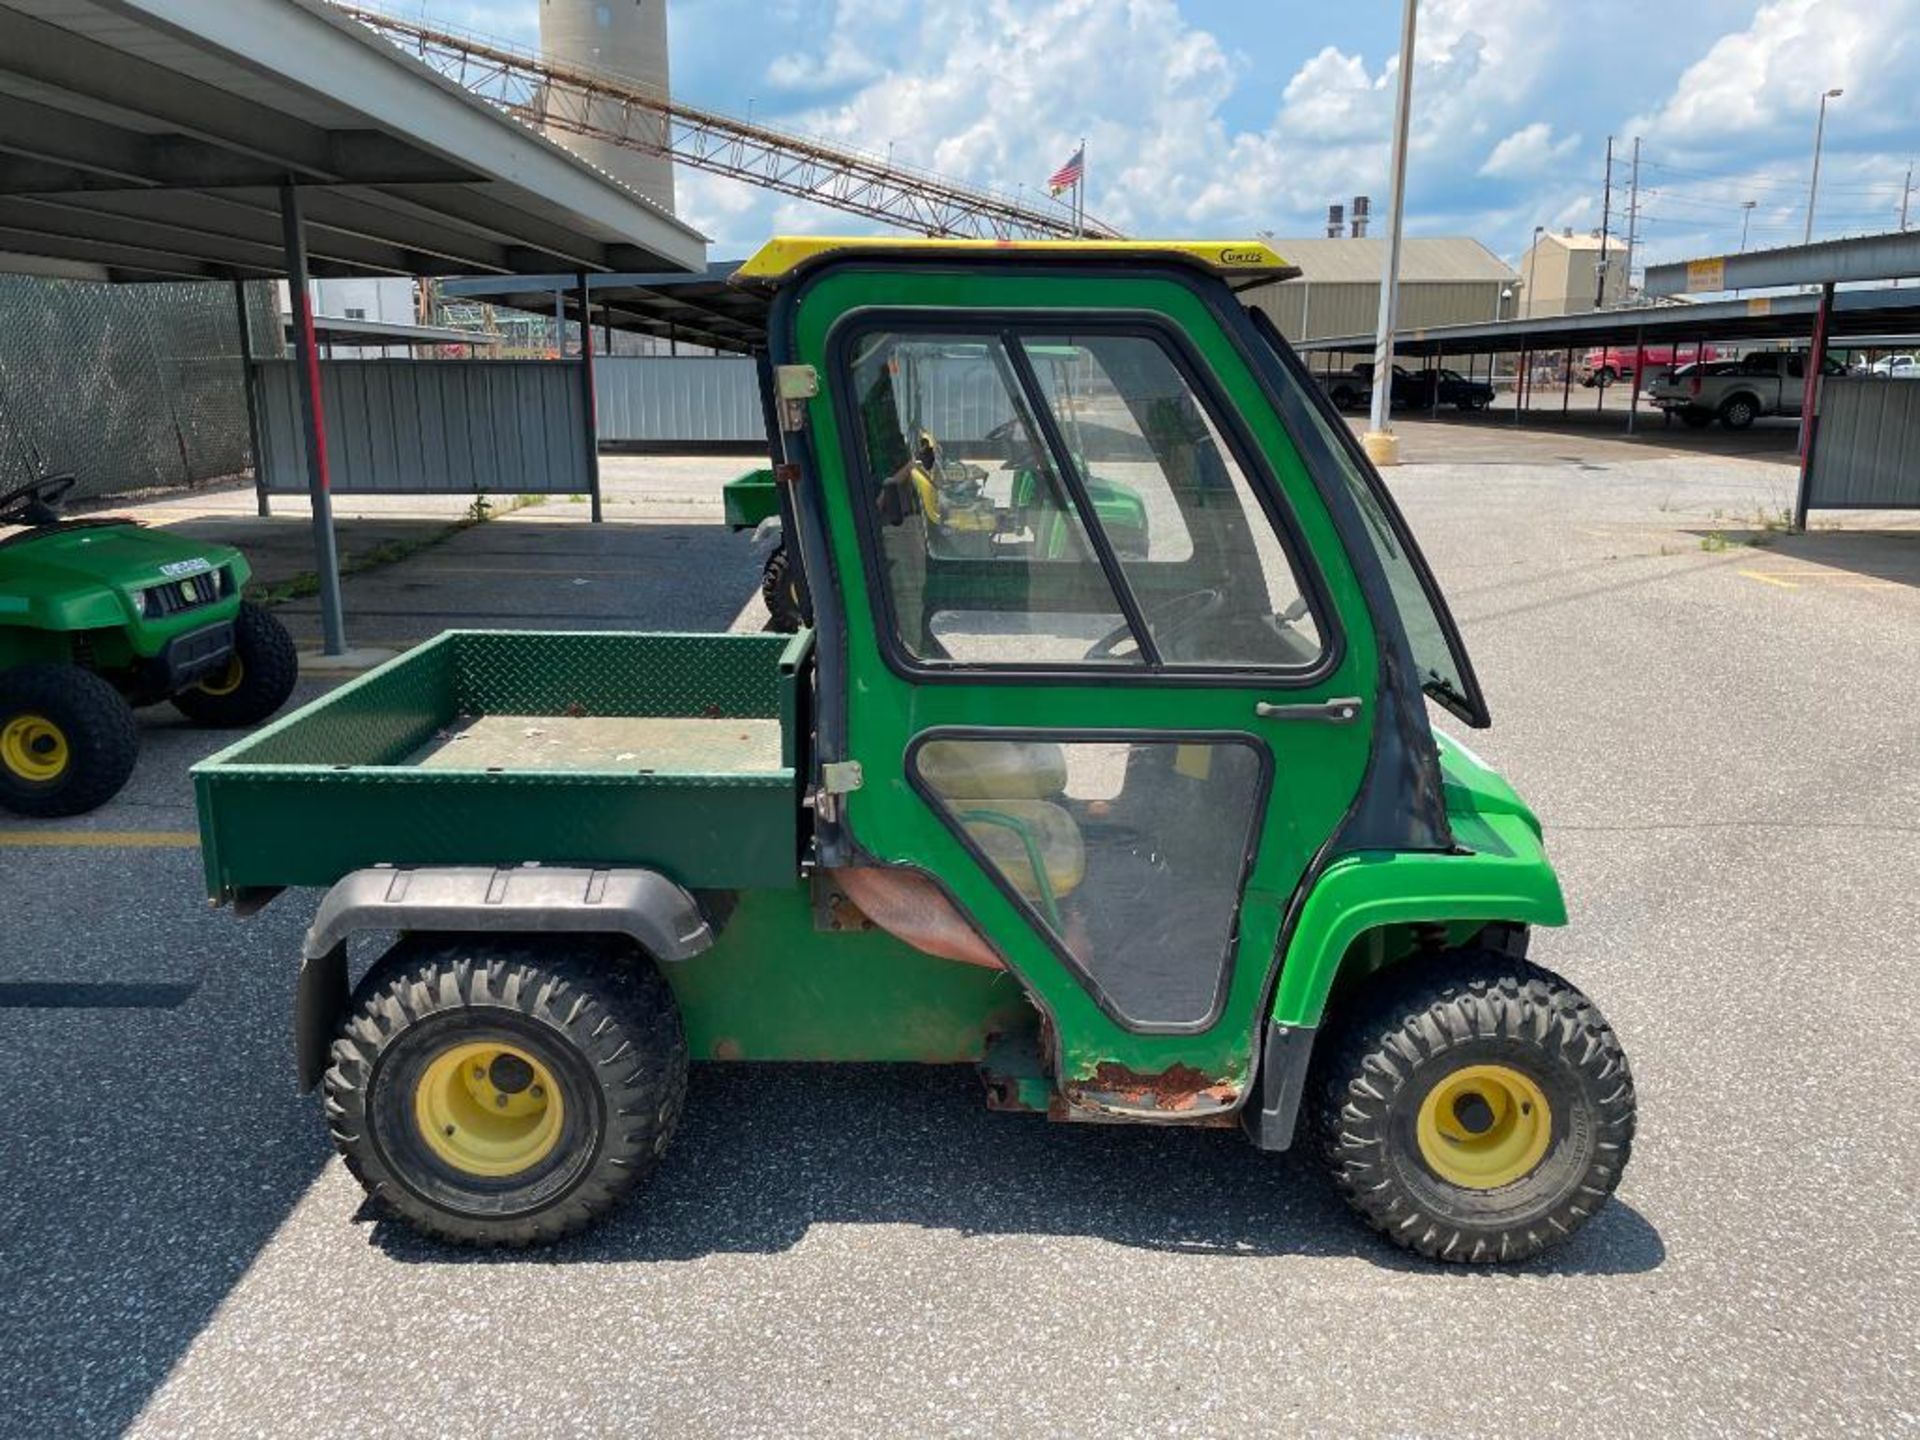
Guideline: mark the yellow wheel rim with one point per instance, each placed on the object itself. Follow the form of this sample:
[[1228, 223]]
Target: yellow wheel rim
[[227, 681], [1484, 1126], [487, 1108], [34, 748]]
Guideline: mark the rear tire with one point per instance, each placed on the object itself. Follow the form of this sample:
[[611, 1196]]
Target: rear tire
[[1474, 1109], [1738, 412], [783, 592], [506, 1091], [68, 742], [256, 683]]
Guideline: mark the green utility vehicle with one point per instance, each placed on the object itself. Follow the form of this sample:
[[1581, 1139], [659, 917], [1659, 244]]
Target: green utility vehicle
[[1149, 826], [100, 615]]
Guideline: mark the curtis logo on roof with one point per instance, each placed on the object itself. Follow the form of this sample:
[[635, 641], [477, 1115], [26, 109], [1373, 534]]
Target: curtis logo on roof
[[1242, 257]]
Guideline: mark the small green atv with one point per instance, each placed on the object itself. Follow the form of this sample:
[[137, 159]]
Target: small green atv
[[1102, 759], [100, 615]]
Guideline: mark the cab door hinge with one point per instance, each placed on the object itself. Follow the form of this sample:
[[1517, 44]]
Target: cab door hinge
[[837, 777], [793, 386]]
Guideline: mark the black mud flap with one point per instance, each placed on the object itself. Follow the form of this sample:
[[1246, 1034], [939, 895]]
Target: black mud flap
[[1270, 1116]]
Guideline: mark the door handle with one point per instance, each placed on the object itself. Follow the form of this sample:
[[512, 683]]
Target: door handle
[[1341, 710]]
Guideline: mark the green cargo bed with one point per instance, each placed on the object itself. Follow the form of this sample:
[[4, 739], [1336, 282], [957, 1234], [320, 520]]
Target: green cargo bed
[[677, 752]]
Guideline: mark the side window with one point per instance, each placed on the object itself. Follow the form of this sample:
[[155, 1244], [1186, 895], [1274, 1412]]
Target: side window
[[1214, 583], [1128, 854], [984, 558], [1797, 367]]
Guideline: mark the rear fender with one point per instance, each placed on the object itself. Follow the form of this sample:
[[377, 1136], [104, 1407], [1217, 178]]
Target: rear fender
[[643, 905]]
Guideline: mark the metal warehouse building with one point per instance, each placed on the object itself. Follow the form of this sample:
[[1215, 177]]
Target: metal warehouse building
[[1444, 280]]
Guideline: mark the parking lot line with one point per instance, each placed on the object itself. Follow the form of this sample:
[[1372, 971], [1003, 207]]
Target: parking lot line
[[1832, 579], [101, 839]]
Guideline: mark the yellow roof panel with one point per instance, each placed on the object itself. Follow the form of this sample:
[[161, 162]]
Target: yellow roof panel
[[784, 254]]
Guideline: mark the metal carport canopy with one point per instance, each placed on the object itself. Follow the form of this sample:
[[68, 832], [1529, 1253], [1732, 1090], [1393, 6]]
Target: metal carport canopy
[[1882, 311], [147, 138], [241, 139], [702, 309]]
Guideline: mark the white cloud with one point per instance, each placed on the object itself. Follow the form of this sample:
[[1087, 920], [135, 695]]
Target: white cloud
[[1769, 77], [1528, 152]]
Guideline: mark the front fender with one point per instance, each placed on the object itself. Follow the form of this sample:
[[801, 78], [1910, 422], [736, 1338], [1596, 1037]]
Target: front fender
[[1503, 874]]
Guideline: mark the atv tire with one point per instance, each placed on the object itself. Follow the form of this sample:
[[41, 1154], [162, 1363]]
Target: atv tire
[[68, 741], [1476, 1109], [257, 681], [506, 1093], [784, 592]]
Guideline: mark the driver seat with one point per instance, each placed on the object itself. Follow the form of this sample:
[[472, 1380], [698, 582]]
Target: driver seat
[[1005, 795]]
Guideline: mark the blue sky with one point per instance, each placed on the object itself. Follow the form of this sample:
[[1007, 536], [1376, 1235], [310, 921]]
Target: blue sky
[[1224, 116]]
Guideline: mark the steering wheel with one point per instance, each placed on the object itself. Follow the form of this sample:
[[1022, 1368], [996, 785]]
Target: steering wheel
[[1170, 615], [44, 493]]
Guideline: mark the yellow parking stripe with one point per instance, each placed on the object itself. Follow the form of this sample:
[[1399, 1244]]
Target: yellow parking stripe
[[1765, 578], [102, 839]]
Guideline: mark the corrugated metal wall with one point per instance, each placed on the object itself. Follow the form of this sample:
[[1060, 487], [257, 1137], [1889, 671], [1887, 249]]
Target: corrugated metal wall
[[1864, 456], [1305, 310], [660, 399], [405, 427]]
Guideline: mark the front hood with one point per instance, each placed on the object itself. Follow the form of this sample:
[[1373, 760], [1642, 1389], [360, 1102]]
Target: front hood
[[1474, 788], [126, 556]]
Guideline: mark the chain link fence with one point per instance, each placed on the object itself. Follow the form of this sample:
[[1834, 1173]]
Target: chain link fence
[[128, 387]]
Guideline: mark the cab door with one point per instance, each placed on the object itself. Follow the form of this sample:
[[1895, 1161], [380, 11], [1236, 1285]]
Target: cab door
[[1107, 675]]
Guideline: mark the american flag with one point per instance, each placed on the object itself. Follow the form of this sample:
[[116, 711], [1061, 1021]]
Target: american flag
[[1069, 174]]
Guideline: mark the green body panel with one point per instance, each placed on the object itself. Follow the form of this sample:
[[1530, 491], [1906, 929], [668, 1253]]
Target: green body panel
[[1318, 768], [88, 578], [328, 789], [775, 988], [749, 499], [1503, 875], [1353, 913]]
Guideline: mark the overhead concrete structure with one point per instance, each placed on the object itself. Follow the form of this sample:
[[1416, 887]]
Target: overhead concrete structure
[[1892, 256], [627, 38], [148, 139]]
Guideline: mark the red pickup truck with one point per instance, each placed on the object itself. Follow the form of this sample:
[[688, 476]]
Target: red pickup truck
[[1604, 366]]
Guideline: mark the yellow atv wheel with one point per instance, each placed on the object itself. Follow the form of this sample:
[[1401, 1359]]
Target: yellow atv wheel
[[67, 740], [33, 748]]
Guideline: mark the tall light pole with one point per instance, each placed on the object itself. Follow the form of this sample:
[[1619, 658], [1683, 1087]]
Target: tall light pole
[[1746, 217], [1382, 445], [1819, 134], [1533, 263]]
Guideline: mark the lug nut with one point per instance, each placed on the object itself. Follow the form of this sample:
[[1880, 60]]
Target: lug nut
[[501, 1101]]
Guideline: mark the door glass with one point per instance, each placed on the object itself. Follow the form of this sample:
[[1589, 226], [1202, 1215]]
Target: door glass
[[1213, 580], [1128, 853], [985, 560]]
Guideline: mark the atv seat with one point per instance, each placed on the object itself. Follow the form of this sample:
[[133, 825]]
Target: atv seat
[[999, 791]]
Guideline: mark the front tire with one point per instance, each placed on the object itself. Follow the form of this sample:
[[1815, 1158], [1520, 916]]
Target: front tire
[[506, 1092], [68, 741], [257, 680], [1475, 1109]]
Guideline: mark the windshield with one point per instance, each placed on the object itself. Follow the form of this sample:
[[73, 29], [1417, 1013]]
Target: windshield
[[1445, 673]]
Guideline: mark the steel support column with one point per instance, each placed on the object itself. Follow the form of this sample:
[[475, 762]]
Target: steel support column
[[1810, 404], [326, 556], [1566, 383], [260, 500], [1639, 367], [588, 404]]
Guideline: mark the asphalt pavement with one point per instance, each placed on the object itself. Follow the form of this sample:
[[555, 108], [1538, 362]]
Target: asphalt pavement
[[1720, 727]]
